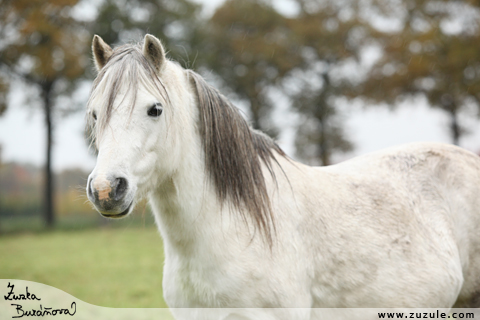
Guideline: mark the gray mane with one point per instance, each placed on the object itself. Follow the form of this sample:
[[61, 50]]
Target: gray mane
[[234, 154]]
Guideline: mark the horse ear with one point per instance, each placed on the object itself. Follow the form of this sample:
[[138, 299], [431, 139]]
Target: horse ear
[[154, 52], [101, 52]]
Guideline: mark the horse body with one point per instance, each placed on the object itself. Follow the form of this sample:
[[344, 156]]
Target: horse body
[[397, 228], [392, 229]]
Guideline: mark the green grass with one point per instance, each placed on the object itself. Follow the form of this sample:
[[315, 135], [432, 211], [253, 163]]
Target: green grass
[[110, 267]]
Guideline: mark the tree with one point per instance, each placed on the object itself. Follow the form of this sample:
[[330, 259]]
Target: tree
[[330, 35], [435, 52], [250, 48], [44, 47], [320, 133], [175, 22]]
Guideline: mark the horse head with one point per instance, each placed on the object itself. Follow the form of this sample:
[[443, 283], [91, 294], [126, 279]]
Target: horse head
[[130, 117]]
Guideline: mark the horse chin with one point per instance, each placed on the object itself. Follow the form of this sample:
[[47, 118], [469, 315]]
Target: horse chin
[[120, 215]]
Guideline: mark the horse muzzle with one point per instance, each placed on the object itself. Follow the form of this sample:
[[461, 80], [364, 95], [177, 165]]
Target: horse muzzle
[[110, 195]]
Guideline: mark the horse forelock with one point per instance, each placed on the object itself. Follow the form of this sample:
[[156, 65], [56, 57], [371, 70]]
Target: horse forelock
[[234, 154], [123, 72]]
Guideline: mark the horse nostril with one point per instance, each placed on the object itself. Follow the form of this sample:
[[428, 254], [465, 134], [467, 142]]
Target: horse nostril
[[119, 188]]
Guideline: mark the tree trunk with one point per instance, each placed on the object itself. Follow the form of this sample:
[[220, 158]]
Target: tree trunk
[[455, 129], [255, 111], [323, 118], [323, 150], [48, 200]]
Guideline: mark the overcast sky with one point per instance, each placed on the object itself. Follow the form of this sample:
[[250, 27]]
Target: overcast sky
[[22, 134]]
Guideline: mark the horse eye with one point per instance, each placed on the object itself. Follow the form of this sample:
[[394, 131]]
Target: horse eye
[[155, 110], [94, 114]]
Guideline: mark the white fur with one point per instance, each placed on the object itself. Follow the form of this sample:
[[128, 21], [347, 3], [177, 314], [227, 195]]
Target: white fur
[[397, 228]]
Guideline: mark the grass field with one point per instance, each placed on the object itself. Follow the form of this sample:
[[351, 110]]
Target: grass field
[[110, 267]]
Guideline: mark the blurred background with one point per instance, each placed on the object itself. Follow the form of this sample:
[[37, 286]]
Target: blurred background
[[329, 79]]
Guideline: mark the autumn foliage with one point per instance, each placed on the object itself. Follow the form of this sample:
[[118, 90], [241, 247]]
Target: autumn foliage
[[311, 59]]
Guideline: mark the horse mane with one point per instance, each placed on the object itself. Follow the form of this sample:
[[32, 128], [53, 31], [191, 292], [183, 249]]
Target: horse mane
[[234, 153]]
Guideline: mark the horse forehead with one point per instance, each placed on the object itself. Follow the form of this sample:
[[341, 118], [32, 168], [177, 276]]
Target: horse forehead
[[123, 100]]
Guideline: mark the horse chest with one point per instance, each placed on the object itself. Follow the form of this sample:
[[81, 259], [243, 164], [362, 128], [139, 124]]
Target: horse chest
[[193, 283]]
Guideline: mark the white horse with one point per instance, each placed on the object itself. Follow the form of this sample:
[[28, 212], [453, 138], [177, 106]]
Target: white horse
[[243, 225]]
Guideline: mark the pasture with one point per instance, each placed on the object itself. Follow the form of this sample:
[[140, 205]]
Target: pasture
[[110, 267]]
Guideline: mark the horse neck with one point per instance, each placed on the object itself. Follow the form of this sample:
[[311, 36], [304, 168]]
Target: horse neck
[[191, 218], [186, 207]]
